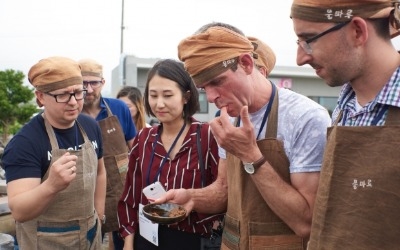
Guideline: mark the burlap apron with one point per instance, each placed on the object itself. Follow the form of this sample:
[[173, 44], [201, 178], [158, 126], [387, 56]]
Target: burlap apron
[[115, 152], [249, 222], [358, 199], [70, 221]]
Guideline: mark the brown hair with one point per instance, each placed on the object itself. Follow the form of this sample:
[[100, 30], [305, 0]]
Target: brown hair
[[136, 98]]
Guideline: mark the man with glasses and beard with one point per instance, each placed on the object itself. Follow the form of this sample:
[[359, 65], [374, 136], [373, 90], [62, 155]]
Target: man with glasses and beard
[[118, 131], [348, 43], [54, 165]]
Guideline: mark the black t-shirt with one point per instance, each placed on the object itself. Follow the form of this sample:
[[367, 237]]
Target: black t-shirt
[[28, 154]]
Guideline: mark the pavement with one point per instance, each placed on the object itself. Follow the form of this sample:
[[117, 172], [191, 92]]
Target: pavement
[[104, 246]]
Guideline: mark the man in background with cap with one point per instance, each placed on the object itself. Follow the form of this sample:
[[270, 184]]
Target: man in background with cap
[[268, 186], [348, 44], [54, 165], [118, 131]]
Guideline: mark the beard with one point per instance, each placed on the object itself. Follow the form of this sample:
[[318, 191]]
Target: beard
[[91, 99], [347, 66], [337, 78]]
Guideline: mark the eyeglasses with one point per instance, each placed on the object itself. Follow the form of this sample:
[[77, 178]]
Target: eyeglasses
[[305, 45], [65, 98], [93, 84]]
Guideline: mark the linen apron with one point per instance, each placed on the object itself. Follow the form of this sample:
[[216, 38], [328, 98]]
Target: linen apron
[[115, 152], [358, 200], [249, 221], [70, 221]]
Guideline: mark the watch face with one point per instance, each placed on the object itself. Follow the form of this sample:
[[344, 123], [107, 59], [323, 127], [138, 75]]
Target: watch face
[[249, 168]]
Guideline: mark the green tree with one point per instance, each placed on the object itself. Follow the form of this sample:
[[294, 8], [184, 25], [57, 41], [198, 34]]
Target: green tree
[[16, 107]]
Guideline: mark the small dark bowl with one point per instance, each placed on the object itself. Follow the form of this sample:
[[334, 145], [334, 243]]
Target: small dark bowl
[[161, 213]]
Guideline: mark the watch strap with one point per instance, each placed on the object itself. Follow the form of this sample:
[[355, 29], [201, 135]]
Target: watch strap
[[259, 162]]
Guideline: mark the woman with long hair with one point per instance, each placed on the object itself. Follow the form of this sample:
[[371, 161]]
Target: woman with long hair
[[179, 153], [134, 100]]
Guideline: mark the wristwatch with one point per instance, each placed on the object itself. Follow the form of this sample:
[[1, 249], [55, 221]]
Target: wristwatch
[[251, 167], [103, 219]]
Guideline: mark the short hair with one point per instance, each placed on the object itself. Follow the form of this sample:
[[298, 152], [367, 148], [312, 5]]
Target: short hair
[[205, 27], [174, 71], [381, 26]]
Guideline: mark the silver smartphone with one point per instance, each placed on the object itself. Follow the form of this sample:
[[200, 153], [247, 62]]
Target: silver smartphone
[[154, 191]]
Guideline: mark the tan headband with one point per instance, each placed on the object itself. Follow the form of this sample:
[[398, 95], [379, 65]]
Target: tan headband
[[212, 52], [54, 73], [344, 10], [340, 13]]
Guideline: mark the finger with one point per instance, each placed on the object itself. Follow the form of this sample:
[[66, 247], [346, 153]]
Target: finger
[[71, 157], [217, 130], [244, 114], [71, 170], [224, 117], [215, 125], [220, 124], [66, 159], [169, 195], [68, 166]]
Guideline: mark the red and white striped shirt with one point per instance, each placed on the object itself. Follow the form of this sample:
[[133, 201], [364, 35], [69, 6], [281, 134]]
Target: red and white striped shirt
[[181, 172]]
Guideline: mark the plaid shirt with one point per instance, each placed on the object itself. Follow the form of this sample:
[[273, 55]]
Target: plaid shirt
[[375, 112]]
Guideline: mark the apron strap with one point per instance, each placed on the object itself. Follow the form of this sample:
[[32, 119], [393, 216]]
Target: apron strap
[[109, 113], [339, 117], [50, 133], [272, 125], [393, 116]]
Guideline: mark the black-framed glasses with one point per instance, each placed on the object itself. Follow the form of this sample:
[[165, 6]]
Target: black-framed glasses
[[66, 97], [93, 84], [305, 45]]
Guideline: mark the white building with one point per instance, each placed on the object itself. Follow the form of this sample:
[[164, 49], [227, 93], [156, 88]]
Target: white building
[[133, 71]]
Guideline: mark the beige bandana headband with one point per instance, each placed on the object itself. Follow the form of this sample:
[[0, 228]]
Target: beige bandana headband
[[263, 55], [54, 73], [209, 54], [91, 68], [344, 10]]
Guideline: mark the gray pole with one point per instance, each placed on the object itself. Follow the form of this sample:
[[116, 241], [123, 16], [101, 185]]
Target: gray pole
[[122, 28]]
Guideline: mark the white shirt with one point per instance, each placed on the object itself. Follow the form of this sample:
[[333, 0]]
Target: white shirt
[[302, 126]]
